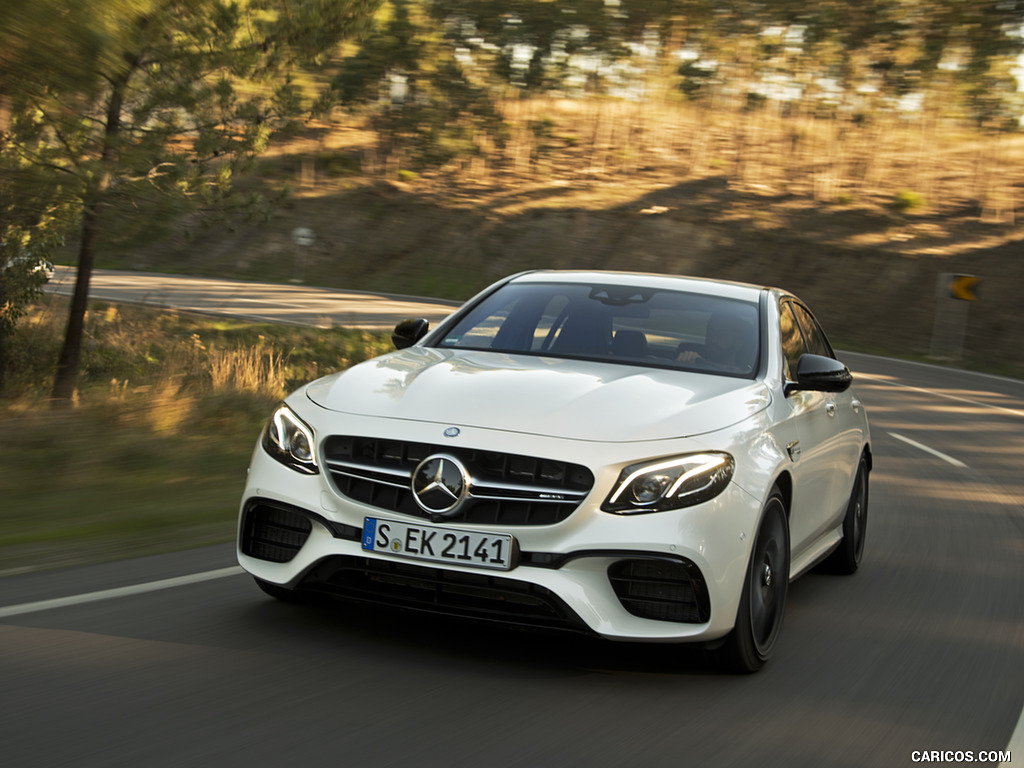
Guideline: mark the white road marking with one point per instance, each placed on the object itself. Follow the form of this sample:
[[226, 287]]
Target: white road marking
[[926, 449], [110, 594], [933, 366], [1016, 740], [978, 403]]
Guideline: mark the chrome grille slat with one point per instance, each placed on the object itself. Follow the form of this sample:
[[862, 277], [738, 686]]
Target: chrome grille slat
[[524, 493], [372, 474]]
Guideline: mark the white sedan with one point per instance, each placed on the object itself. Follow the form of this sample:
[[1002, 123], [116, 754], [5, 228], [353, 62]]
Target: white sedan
[[639, 457]]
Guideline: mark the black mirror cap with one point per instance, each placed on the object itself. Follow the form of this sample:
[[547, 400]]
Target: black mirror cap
[[818, 373], [408, 332]]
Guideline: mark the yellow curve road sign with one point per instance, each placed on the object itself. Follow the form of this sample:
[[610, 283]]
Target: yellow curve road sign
[[963, 287]]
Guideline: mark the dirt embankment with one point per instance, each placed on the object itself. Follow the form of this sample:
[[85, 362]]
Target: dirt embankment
[[870, 274]]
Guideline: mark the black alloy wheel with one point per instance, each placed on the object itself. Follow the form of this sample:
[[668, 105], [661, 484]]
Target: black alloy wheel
[[763, 601], [847, 556]]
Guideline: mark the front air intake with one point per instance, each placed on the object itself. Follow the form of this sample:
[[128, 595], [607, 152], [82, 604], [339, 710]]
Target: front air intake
[[481, 596], [273, 532], [661, 589]]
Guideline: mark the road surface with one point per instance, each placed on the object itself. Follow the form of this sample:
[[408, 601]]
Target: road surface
[[920, 652], [262, 302]]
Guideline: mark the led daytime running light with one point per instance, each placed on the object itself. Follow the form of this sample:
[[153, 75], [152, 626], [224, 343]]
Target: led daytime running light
[[715, 469], [290, 440], [711, 464]]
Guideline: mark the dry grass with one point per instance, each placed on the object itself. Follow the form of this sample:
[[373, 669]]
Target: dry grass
[[131, 353], [258, 369], [880, 205], [834, 159], [836, 180], [153, 455]]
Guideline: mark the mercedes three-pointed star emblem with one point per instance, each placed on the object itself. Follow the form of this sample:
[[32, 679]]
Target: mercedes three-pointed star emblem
[[439, 484]]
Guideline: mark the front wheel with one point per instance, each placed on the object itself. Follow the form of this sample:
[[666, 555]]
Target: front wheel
[[763, 601], [847, 556]]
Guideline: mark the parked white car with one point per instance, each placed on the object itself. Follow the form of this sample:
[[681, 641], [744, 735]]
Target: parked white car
[[640, 457], [32, 266]]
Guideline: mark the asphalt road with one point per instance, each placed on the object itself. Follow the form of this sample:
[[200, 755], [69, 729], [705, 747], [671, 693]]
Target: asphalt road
[[265, 302], [921, 650]]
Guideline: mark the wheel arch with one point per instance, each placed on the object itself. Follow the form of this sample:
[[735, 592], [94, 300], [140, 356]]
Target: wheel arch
[[784, 482]]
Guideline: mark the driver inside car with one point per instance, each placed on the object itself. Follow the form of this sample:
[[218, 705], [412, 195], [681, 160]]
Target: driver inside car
[[725, 346]]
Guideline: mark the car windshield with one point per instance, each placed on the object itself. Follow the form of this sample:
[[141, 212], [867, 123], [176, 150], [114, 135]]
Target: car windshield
[[624, 324]]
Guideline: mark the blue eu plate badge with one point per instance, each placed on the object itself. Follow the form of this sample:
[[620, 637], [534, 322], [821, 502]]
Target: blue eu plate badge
[[369, 532]]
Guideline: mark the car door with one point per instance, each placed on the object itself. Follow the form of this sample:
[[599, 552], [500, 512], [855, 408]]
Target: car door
[[821, 464], [844, 409]]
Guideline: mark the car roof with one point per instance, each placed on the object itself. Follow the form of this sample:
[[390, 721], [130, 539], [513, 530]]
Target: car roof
[[705, 286]]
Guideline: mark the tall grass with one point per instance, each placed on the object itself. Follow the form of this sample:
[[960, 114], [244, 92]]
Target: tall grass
[[152, 456], [776, 148], [132, 352]]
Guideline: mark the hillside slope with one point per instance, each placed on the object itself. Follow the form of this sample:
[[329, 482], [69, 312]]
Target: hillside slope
[[871, 275]]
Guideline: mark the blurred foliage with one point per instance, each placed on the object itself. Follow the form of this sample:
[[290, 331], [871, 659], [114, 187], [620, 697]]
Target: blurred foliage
[[105, 103], [122, 99], [432, 74], [421, 101], [114, 108]]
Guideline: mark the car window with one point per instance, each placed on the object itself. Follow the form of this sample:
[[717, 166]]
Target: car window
[[800, 334], [636, 326], [793, 345], [813, 336]]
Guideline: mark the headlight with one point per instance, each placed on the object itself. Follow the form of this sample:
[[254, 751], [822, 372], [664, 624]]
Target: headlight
[[290, 440], [681, 481]]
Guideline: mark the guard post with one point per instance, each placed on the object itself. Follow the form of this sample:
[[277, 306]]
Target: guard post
[[954, 293], [302, 237]]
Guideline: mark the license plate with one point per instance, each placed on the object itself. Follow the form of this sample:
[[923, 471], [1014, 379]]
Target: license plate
[[437, 544]]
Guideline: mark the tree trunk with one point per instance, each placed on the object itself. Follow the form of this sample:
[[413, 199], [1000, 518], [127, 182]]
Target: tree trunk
[[3, 334], [70, 353], [5, 119], [68, 363]]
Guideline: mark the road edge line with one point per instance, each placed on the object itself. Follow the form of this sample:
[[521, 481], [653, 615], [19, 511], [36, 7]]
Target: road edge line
[[111, 594], [1016, 740]]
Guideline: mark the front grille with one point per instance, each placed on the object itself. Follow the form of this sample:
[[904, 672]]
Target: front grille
[[273, 532], [661, 589], [468, 595], [507, 489]]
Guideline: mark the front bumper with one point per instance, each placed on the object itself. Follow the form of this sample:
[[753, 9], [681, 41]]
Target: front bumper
[[668, 576]]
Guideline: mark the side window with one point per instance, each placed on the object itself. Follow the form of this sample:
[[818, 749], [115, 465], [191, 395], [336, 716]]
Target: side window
[[792, 340], [813, 336]]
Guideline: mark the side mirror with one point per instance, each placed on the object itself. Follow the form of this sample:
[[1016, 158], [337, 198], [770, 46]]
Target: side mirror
[[408, 332], [820, 374]]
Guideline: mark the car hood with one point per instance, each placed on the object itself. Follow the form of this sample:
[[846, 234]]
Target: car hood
[[571, 399]]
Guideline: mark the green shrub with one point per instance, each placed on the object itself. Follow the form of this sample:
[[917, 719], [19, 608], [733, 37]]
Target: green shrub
[[906, 200]]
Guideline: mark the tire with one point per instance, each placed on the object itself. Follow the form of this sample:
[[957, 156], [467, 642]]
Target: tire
[[847, 556], [763, 601]]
